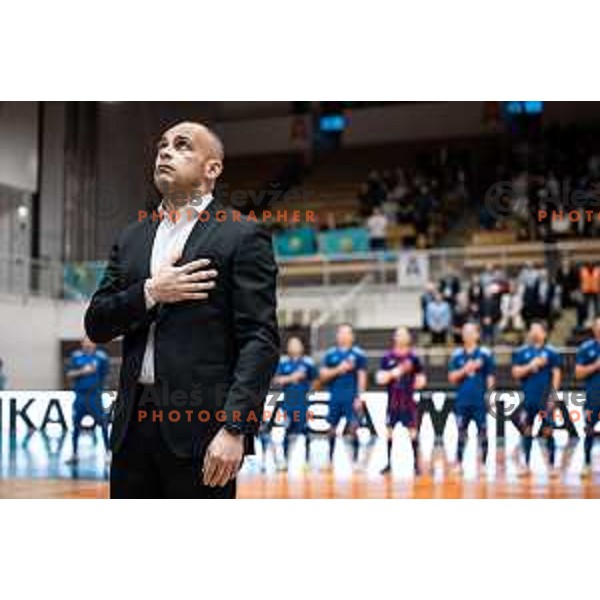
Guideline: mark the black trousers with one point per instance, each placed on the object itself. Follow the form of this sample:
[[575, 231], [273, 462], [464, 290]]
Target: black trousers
[[439, 337], [145, 467]]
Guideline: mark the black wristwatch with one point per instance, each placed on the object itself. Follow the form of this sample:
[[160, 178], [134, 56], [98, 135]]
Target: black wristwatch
[[233, 428]]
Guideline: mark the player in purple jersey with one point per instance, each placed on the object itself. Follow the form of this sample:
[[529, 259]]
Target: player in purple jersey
[[401, 371]]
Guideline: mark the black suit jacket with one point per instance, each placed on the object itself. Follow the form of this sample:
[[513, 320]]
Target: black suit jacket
[[216, 355]]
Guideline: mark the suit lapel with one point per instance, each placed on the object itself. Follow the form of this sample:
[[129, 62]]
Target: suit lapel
[[201, 229], [198, 233], [147, 242]]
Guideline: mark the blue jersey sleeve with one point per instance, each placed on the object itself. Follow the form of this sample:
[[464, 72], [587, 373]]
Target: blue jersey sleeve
[[490, 364], [518, 358], [584, 357], [556, 359], [279, 370], [361, 361], [103, 365], [311, 369], [72, 362], [328, 360], [453, 362]]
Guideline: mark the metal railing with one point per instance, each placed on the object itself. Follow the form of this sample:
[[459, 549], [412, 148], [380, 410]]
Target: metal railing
[[317, 340], [348, 269], [22, 276]]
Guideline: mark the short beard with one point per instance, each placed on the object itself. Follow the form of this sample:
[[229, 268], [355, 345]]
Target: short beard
[[175, 197]]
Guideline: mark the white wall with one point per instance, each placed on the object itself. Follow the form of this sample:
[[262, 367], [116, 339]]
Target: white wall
[[30, 339], [18, 145]]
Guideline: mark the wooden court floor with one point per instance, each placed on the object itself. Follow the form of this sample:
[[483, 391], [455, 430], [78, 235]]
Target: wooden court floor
[[261, 478], [327, 485]]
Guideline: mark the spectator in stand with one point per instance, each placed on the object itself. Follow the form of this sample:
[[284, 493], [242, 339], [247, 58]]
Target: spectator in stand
[[377, 225], [511, 307], [401, 190], [426, 297], [390, 209], [330, 223], [488, 276], [460, 189], [558, 228], [350, 220], [389, 180], [501, 282], [439, 319], [487, 220], [489, 314], [566, 280], [376, 192], [594, 165], [475, 295], [461, 314], [450, 287], [530, 299], [406, 210], [546, 294], [424, 206], [364, 200], [528, 275], [589, 286]]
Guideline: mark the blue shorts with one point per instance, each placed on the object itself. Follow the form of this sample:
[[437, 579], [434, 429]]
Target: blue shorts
[[295, 417], [339, 409], [465, 414], [88, 405], [527, 414]]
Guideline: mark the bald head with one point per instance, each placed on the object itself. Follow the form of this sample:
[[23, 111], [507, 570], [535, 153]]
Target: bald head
[[203, 135], [189, 161]]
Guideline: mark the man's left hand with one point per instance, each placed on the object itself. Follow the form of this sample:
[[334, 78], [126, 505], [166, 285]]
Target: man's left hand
[[223, 458]]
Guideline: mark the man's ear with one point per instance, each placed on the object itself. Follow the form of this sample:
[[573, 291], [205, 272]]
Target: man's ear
[[214, 168]]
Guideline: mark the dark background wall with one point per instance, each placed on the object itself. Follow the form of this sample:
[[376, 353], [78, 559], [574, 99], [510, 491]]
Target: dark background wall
[[94, 169]]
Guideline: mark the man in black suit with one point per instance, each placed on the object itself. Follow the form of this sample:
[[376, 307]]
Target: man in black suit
[[193, 296]]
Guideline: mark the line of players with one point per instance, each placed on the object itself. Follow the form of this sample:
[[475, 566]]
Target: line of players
[[536, 366]]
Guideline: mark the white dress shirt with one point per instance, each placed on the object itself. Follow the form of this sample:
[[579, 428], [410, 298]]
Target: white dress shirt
[[171, 236]]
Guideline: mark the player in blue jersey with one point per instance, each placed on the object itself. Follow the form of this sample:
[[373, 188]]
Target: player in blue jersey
[[587, 367], [344, 373], [472, 370], [537, 367], [294, 376], [401, 370], [87, 369]]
